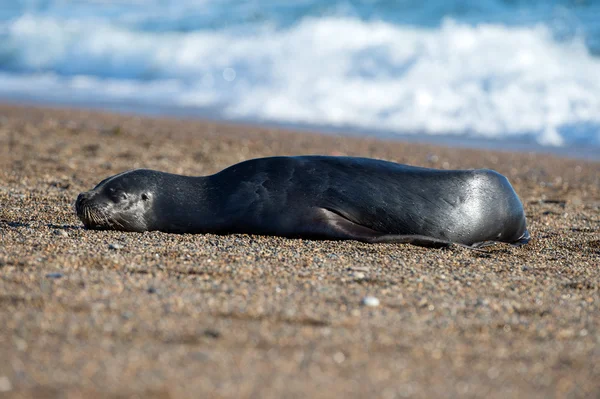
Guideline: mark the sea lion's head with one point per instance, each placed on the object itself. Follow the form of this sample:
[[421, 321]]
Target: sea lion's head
[[121, 202]]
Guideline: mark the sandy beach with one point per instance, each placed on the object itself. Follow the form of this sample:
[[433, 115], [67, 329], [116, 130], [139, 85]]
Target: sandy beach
[[111, 314]]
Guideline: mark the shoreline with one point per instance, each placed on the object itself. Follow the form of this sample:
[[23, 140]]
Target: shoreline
[[521, 144], [101, 314]]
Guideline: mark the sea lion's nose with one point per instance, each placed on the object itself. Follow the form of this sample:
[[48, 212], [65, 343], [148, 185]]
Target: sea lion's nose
[[81, 198]]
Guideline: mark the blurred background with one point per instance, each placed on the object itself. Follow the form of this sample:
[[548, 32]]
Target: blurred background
[[510, 71]]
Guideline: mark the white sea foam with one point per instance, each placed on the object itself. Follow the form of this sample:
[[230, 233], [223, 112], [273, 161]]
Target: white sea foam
[[488, 80]]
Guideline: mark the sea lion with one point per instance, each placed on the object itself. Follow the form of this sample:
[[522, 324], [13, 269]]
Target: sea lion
[[319, 197]]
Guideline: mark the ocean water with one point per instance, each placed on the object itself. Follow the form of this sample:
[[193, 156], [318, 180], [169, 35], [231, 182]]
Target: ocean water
[[503, 70]]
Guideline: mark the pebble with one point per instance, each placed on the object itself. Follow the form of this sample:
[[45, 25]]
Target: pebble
[[151, 290], [5, 384], [54, 275], [61, 233], [21, 344], [370, 301], [433, 158], [358, 275], [115, 246], [363, 269], [212, 333], [339, 357]]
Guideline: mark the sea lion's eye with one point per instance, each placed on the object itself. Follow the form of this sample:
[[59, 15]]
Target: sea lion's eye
[[145, 197]]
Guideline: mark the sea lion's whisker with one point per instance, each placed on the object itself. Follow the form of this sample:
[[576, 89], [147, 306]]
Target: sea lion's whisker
[[115, 221], [105, 218], [96, 216]]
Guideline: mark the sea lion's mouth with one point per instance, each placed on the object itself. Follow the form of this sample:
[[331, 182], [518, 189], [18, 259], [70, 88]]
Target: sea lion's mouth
[[95, 218]]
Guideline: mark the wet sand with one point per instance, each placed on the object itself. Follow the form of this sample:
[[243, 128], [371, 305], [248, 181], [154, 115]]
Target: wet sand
[[110, 314]]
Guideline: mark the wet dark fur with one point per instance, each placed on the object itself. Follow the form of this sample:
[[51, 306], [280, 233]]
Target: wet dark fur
[[323, 197]]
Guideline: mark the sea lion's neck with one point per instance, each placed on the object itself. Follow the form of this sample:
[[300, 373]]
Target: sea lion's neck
[[186, 204]]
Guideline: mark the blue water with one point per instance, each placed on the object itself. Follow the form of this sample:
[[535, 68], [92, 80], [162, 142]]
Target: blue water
[[484, 69]]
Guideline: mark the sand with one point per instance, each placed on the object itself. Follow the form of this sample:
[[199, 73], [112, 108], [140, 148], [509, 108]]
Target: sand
[[111, 314]]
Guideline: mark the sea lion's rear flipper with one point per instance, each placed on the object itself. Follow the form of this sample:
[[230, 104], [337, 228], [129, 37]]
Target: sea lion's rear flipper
[[344, 228], [524, 239]]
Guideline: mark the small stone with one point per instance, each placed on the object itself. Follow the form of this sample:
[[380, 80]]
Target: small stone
[[212, 333], [339, 357], [61, 233], [21, 344], [54, 275], [370, 301], [5, 384], [151, 290], [115, 246], [433, 158], [363, 269], [358, 275], [583, 333]]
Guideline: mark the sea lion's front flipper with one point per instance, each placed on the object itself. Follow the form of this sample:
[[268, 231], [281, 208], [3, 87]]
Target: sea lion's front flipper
[[338, 226], [343, 228]]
